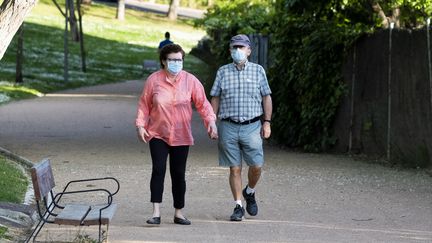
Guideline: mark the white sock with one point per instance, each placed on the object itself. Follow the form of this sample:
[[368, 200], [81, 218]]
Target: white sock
[[239, 203], [250, 190]]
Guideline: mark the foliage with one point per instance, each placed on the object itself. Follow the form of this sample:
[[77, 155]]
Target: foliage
[[13, 183], [413, 13], [200, 4], [228, 18], [309, 42], [115, 50], [311, 39]]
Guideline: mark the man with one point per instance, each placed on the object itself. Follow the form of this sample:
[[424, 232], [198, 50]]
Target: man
[[165, 42], [241, 98]]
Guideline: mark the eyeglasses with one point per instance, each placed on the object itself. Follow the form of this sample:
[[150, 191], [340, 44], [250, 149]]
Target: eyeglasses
[[174, 60]]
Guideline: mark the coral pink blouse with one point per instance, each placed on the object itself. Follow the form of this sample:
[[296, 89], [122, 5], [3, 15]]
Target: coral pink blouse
[[165, 108]]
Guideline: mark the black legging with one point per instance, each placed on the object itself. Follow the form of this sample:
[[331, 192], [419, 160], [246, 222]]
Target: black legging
[[178, 155]]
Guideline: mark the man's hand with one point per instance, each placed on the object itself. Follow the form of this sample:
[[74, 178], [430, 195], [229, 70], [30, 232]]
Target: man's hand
[[265, 130], [212, 130], [142, 134]]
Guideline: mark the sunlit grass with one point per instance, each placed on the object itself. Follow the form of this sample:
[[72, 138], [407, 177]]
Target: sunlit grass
[[9, 90], [114, 49]]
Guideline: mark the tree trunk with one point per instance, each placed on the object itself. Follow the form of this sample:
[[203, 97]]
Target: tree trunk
[[396, 17], [12, 14], [73, 21], [121, 10], [19, 56], [173, 8], [83, 54], [66, 46]]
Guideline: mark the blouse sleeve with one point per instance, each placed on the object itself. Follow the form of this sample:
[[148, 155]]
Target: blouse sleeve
[[144, 104], [202, 105]]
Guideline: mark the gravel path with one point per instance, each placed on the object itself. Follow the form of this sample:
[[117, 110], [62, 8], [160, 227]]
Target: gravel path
[[90, 132]]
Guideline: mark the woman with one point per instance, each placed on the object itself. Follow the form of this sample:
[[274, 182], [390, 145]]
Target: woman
[[164, 121]]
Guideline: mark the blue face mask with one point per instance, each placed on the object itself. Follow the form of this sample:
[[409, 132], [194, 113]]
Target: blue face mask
[[174, 67], [238, 55]]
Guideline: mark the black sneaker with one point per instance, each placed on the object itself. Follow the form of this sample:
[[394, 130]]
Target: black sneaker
[[251, 205], [238, 213]]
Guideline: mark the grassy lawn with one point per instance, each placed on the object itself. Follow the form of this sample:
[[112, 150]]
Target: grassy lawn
[[115, 49], [13, 183]]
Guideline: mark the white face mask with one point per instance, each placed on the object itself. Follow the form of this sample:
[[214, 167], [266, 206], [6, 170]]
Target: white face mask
[[174, 67], [238, 55]]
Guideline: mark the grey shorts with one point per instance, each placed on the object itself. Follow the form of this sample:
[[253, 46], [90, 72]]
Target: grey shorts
[[240, 142]]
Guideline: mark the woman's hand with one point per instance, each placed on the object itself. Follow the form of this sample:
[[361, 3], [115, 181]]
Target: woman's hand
[[212, 130], [142, 134]]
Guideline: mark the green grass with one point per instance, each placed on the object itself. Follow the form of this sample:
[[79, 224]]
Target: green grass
[[115, 49], [3, 231], [13, 184]]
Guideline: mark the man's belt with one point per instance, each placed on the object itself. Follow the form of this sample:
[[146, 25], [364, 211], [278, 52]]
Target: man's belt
[[243, 122]]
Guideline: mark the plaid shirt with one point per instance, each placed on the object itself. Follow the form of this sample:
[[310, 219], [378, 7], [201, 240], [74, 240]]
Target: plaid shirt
[[240, 91]]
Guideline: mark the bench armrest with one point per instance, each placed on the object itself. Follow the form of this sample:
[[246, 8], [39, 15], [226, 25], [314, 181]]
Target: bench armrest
[[95, 179], [58, 196]]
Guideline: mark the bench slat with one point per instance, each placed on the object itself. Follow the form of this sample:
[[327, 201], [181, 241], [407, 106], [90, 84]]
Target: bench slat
[[42, 178], [72, 214], [107, 215]]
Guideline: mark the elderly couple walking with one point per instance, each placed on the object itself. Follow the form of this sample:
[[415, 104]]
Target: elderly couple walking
[[240, 98]]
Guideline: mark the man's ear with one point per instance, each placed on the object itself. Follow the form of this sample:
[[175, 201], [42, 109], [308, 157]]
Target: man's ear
[[249, 51]]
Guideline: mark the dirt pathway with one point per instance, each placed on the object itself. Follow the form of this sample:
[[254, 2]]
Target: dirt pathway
[[90, 132]]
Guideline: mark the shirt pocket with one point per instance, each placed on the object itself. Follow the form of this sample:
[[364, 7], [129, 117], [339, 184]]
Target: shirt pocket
[[252, 87], [229, 89]]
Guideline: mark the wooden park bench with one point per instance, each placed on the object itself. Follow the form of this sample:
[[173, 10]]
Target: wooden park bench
[[150, 66], [53, 210]]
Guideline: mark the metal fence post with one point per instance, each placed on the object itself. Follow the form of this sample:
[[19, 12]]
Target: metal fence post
[[429, 58], [255, 48], [259, 48], [353, 81], [263, 51], [389, 94]]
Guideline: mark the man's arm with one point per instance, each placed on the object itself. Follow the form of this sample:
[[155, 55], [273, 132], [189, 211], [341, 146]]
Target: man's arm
[[215, 104], [268, 109]]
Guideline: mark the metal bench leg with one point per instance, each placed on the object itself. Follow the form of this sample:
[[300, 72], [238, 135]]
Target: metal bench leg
[[101, 238], [36, 231]]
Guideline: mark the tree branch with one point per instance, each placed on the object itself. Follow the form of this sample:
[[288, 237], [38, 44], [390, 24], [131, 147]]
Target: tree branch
[[59, 8], [384, 19]]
